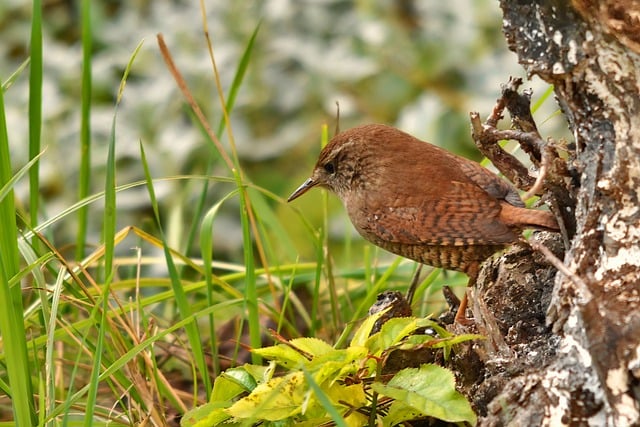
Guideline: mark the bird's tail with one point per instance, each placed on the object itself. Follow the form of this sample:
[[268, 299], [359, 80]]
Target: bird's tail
[[528, 218]]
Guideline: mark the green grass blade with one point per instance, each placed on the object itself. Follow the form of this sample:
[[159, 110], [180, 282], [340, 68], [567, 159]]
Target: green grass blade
[[322, 261], [184, 308], [99, 195], [364, 305], [49, 361], [246, 215], [109, 224], [85, 127], [231, 99], [14, 341], [35, 109], [547, 93], [271, 222], [14, 76], [94, 381], [206, 248], [238, 78], [324, 400], [7, 188], [125, 358], [251, 296], [108, 231], [15, 349], [109, 219]]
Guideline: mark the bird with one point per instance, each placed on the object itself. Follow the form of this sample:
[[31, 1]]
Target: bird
[[419, 201]]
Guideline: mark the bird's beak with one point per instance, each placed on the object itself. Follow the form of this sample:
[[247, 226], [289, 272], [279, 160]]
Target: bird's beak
[[306, 186]]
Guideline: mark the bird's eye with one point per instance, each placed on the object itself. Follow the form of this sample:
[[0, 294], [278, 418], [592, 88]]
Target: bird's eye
[[330, 168]]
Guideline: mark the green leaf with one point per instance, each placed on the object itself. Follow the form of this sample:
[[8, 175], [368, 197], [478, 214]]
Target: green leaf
[[313, 346], [206, 248], [207, 415], [323, 401], [277, 399], [260, 373], [337, 364], [353, 395], [429, 390], [361, 334], [283, 355], [230, 384], [392, 332], [457, 339]]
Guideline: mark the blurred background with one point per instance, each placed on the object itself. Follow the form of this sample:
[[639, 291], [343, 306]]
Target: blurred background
[[421, 66]]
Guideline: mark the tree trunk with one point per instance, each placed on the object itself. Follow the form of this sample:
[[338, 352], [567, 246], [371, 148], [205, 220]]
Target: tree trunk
[[586, 370]]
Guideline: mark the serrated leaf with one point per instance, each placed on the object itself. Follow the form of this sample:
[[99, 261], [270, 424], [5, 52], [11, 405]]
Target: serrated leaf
[[207, 415], [277, 399], [353, 395], [346, 355], [327, 370], [392, 332], [279, 423], [355, 419], [353, 360], [312, 346], [414, 341], [399, 412], [231, 383], [337, 364], [361, 335], [260, 373], [431, 390], [457, 339], [283, 355]]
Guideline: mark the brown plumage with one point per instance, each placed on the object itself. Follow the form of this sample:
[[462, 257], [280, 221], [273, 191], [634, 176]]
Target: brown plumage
[[419, 201]]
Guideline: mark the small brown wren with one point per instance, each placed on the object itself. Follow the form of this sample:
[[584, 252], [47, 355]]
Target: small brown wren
[[421, 202]]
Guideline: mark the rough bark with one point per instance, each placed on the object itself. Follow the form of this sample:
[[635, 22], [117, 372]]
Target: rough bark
[[574, 358]]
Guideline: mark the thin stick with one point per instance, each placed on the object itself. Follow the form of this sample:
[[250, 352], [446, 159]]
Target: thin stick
[[542, 175], [177, 76], [557, 263]]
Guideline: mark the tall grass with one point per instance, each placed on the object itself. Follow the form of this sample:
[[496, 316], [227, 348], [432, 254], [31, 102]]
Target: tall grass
[[35, 107], [84, 181], [101, 338], [16, 360]]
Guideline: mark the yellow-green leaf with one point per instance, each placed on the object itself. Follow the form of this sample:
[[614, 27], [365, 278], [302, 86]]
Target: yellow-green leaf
[[260, 373], [231, 383], [313, 346], [361, 334], [353, 395], [337, 364], [283, 355], [429, 389], [207, 415], [392, 332], [277, 399]]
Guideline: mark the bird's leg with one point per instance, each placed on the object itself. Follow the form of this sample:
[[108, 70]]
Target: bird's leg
[[472, 272], [461, 317]]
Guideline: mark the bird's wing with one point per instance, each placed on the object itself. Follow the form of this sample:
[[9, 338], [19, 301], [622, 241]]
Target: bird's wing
[[462, 214], [483, 178]]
